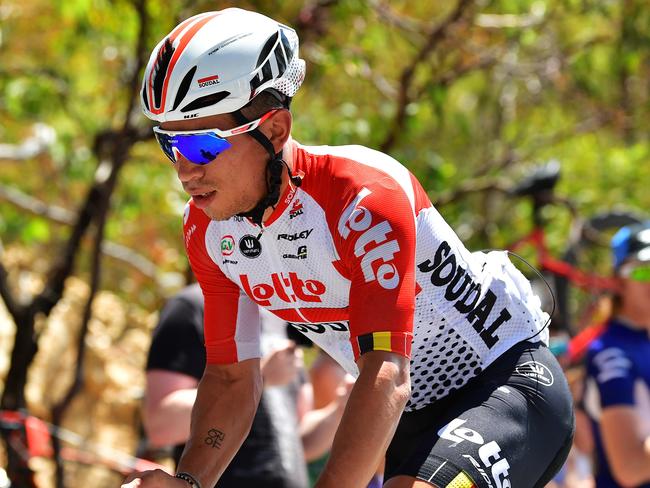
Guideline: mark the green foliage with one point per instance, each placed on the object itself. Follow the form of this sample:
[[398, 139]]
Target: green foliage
[[513, 84]]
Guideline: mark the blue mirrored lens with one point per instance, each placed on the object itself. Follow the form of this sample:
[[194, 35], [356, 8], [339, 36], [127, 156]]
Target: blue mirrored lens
[[200, 148], [197, 148]]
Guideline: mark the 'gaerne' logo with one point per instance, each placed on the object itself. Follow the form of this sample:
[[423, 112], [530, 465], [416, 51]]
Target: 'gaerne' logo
[[536, 371], [208, 81]]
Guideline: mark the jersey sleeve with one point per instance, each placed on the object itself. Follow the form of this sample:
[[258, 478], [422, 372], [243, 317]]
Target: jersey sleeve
[[231, 321], [614, 375], [376, 241]]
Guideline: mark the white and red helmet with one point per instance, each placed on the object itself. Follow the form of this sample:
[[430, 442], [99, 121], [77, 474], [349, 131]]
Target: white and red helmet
[[217, 62]]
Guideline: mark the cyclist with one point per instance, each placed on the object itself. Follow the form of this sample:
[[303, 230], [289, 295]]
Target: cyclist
[[454, 381], [617, 389]]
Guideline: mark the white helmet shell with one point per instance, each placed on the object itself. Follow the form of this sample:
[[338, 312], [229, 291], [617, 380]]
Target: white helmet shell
[[217, 62]]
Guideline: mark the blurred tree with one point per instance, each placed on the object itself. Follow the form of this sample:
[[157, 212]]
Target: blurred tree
[[467, 94]]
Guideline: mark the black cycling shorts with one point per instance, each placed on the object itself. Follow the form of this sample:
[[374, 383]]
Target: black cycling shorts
[[512, 425]]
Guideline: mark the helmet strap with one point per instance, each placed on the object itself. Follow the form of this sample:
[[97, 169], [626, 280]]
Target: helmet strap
[[273, 173]]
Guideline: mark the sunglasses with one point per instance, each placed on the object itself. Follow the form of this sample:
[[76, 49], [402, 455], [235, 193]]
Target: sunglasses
[[636, 272], [201, 146]]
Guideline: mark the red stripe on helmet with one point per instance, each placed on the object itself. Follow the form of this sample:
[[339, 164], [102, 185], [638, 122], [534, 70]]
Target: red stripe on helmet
[[184, 41], [207, 78], [180, 27]]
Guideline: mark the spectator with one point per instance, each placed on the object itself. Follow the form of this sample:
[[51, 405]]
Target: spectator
[[272, 455], [331, 386], [617, 391]]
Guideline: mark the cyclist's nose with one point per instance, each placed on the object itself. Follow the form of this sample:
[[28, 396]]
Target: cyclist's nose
[[186, 170]]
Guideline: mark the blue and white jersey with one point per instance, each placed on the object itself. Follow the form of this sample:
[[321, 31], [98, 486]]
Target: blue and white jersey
[[618, 374]]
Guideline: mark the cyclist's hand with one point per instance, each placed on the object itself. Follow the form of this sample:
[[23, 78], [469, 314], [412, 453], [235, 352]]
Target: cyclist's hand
[[153, 479], [281, 366]]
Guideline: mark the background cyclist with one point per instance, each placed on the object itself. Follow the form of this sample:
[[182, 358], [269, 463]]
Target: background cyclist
[[617, 389]]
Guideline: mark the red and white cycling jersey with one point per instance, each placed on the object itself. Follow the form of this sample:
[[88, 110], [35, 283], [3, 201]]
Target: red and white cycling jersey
[[358, 259]]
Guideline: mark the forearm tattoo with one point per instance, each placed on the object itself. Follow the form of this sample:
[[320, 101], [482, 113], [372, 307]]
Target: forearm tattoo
[[215, 438]]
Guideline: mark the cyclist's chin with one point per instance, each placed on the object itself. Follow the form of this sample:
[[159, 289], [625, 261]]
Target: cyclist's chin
[[223, 206], [217, 213]]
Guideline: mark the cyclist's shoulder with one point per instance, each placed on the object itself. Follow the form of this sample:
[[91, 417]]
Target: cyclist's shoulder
[[617, 344], [336, 175], [347, 162]]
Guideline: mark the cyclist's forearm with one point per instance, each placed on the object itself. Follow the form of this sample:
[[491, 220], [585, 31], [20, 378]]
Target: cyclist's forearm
[[221, 419], [369, 422]]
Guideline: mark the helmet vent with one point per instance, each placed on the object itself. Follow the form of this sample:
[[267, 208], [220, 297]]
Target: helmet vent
[[205, 101], [287, 46], [145, 99], [160, 70], [279, 57], [184, 87], [266, 50]]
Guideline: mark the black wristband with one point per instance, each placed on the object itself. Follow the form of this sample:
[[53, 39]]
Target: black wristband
[[190, 479]]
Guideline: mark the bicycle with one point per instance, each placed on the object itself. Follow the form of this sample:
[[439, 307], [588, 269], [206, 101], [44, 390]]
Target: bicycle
[[577, 294]]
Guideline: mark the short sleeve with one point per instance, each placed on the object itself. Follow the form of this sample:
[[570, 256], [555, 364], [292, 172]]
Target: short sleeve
[[614, 374], [231, 322], [376, 240]]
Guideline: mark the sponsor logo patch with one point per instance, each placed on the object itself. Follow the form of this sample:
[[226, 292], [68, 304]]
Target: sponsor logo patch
[[294, 237], [227, 245], [491, 464], [250, 246], [372, 244], [536, 371], [466, 293], [296, 209], [208, 81], [288, 287], [301, 254]]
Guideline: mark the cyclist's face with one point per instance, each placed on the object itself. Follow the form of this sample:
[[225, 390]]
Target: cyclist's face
[[233, 182]]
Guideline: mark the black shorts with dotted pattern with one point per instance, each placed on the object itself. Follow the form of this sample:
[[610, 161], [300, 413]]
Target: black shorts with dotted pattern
[[512, 425]]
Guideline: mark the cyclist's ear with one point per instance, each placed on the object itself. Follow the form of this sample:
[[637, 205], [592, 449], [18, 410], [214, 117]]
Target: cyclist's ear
[[617, 293], [278, 128]]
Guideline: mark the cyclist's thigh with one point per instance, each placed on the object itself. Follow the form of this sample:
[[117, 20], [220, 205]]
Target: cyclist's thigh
[[512, 426]]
